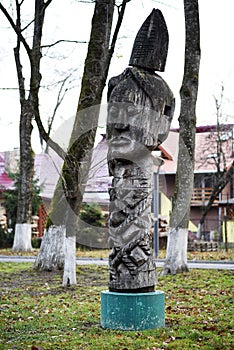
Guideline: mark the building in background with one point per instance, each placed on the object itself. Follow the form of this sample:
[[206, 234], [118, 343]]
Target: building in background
[[48, 168], [5, 184]]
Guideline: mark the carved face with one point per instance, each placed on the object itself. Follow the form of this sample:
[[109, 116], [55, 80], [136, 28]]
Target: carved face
[[132, 125]]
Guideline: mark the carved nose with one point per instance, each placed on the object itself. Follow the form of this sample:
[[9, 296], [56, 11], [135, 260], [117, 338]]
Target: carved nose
[[122, 120]]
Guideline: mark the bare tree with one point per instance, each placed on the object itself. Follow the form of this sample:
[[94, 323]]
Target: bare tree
[[217, 148], [28, 98], [176, 256]]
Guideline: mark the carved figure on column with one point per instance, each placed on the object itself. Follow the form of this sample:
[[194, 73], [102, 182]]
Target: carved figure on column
[[140, 110]]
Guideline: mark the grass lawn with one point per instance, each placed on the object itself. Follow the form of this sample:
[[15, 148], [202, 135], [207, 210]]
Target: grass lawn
[[37, 312]]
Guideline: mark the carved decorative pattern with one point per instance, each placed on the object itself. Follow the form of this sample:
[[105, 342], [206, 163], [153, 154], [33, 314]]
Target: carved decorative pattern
[[140, 109]]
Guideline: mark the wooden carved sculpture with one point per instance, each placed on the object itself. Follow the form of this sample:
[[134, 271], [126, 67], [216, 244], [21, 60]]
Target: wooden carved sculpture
[[140, 110]]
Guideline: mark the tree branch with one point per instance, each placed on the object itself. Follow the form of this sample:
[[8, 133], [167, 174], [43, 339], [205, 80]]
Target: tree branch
[[46, 137], [47, 3], [18, 33], [117, 28], [60, 97], [217, 190], [65, 41]]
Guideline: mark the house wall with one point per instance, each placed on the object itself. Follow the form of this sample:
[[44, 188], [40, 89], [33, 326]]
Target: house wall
[[165, 210], [164, 206], [230, 232], [212, 219], [226, 193], [166, 184]]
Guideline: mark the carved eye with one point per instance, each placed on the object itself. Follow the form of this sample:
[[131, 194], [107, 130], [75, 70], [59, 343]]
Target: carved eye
[[167, 111], [132, 110], [113, 111]]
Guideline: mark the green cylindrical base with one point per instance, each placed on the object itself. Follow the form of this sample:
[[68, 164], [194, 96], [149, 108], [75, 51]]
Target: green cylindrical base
[[129, 311]]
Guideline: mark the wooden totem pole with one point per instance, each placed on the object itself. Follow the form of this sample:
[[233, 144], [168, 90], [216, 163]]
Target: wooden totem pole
[[140, 110]]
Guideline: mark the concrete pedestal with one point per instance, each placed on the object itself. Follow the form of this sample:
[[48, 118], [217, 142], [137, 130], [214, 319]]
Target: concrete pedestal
[[132, 311]]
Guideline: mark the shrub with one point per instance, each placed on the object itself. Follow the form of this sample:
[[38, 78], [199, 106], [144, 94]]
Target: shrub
[[92, 214], [6, 238], [88, 237]]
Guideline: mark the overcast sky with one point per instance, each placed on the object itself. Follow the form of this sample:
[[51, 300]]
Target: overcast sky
[[71, 20]]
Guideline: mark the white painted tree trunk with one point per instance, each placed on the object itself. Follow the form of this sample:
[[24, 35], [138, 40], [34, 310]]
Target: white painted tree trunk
[[51, 254], [69, 274], [22, 238], [176, 255]]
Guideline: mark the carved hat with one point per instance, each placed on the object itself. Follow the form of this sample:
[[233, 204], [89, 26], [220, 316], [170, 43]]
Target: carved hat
[[150, 83], [151, 43]]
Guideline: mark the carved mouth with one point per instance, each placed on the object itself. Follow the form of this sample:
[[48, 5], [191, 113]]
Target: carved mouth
[[119, 141]]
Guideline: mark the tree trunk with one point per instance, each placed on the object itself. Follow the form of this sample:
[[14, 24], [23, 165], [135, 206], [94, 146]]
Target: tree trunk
[[28, 107], [67, 199], [22, 238], [51, 254], [69, 275], [176, 256], [78, 160]]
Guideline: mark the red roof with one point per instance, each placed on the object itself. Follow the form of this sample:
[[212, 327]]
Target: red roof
[[205, 151], [206, 155], [5, 182]]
